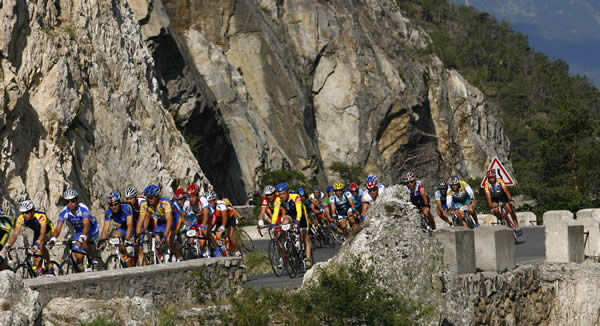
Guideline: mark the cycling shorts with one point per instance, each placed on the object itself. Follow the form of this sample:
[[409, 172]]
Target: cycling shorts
[[459, 204], [303, 223], [174, 227], [502, 198], [418, 201], [231, 222], [123, 230]]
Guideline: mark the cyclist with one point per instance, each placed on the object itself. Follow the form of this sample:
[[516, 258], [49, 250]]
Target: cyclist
[[291, 205], [167, 220], [86, 227], [179, 201], [418, 196], [7, 223], [330, 191], [41, 226], [215, 214], [319, 206], [460, 194], [440, 200], [266, 206], [122, 214], [139, 207], [304, 198], [356, 200], [232, 217], [369, 197], [373, 178], [496, 192], [341, 207], [194, 206]]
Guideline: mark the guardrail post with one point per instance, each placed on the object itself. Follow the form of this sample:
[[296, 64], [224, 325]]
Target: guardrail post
[[494, 248], [459, 249]]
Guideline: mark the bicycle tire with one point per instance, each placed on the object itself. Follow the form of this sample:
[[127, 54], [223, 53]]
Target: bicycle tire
[[276, 258], [314, 236], [295, 261], [23, 271], [114, 262], [57, 269], [338, 235], [68, 267], [244, 240]]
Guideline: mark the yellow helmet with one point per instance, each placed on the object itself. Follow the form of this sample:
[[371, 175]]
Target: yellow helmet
[[227, 202], [338, 186]]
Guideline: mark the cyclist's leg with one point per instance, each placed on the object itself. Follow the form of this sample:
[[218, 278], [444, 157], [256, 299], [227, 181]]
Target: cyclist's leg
[[472, 211], [304, 235], [119, 233], [512, 213], [427, 212], [460, 214], [496, 210]]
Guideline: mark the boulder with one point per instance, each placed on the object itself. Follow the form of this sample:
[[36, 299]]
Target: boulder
[[19, 305]]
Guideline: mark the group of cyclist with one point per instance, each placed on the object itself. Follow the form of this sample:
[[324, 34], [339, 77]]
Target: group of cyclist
[[451, 195], [148, 214], [342, 210]]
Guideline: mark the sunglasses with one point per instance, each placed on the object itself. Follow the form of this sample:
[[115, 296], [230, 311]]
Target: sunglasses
[[373, 189], [115, 204], [74, 200]]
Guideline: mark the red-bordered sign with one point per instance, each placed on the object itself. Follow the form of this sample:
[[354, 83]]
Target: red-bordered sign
[[500, 172]]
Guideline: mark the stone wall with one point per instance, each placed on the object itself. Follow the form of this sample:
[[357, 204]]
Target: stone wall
[[511, 298], [173, 282]]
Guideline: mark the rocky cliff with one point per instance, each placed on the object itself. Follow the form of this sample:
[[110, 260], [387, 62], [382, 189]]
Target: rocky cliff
[[80, 106], [99, 95], [305, 83]]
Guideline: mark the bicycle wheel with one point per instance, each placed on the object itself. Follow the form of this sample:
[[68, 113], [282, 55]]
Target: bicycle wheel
[[23, 271], [338, 235], [57, 269], [68, 267], [315, 237], [243, 240], [294, 260], [276, 258], [113, 262]]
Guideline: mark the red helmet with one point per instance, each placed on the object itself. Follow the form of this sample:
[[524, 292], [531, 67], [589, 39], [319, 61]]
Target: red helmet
[[410, 176], [353, 187], [179, 194], [372, 185], [193, 190], [490, 174]]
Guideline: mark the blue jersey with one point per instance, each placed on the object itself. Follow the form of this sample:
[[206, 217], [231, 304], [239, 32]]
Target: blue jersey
[[357, 199], [76, 219], [121, 216]]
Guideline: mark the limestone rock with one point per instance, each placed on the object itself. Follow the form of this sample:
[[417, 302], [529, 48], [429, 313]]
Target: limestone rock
[[19, 305]]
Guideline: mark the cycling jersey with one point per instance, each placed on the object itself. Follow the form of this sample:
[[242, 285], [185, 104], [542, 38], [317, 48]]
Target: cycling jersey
[[140, 208], [5, 227], [121, 217], [216, 214], [415, 195], [462, 196], [496, 190], [293, 207], [342, 204], [39, 219], [438, 196], [159, 214], [367, 198], [193, 211], [77, 218], [357, 199]]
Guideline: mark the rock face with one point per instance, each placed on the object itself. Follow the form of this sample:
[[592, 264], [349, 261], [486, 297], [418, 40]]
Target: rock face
[[18, 304], [305, 83], [81, 106]]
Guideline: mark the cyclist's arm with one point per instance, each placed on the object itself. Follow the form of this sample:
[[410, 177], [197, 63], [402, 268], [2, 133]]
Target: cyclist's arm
[[439, 204], [13, 236], [169, 224], [129, 227], [424, 196], [365, 207], [313, 207], [470, 192], [508, 196], [449, 201], [59, 226], [43, 230], [86, 226], [488, 196], [276, 208], [299, 209], [204, 215], [261, 214], [105, 228]]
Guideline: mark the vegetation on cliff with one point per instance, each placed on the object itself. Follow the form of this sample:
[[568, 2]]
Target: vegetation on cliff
[[550, 117]]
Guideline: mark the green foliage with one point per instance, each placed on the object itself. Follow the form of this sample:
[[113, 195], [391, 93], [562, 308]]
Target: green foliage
[[257, 262], [349, 173], [293, 178], [551, 118], [103, 320], [168, 315], [208, 285], [343, 295]]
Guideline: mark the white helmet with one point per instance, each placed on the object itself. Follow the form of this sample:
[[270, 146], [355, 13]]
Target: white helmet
[[211, 195], [26, 206], [131, 192], [269, 189], [70, 194]]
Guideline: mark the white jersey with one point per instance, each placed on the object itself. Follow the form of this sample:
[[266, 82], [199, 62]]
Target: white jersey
[[367, 198], [195, 210]]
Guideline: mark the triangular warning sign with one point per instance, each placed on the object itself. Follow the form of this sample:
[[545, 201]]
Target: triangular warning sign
[[500, 172]]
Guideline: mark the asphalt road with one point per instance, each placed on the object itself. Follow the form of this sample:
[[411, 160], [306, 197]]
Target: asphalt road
[[530, 248]]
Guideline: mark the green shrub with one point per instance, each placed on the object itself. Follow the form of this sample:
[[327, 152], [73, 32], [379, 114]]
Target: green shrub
[[103, 320], [349, 173]]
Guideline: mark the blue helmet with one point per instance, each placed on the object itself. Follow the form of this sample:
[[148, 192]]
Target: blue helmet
[[282, 187], [151, 191], [330, 188], [113, 197], [371, 178], [301, 192]]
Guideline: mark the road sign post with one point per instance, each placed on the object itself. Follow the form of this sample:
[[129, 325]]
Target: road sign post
[[500, 172]]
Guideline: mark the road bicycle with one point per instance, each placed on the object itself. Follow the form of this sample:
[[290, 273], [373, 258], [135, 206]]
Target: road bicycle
[[70, 264], [26, 270], [507, 219], [117, 260], [281, 250]]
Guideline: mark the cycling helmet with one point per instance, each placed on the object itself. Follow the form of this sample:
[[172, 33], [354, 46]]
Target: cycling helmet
[[151, 191], [338, 186], [8, 219], [316, 189], [372, 178], [193, 189], [26, 206], [453, 180], [490, 174], [371, 185], [282, 187], [70, 194], [269, 190], [227, 202], [211, 195], [410, 176], [130, 192], [353, 187], [180, 194], [330, 188], [442, 185], [113, 197], [301, 192]]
